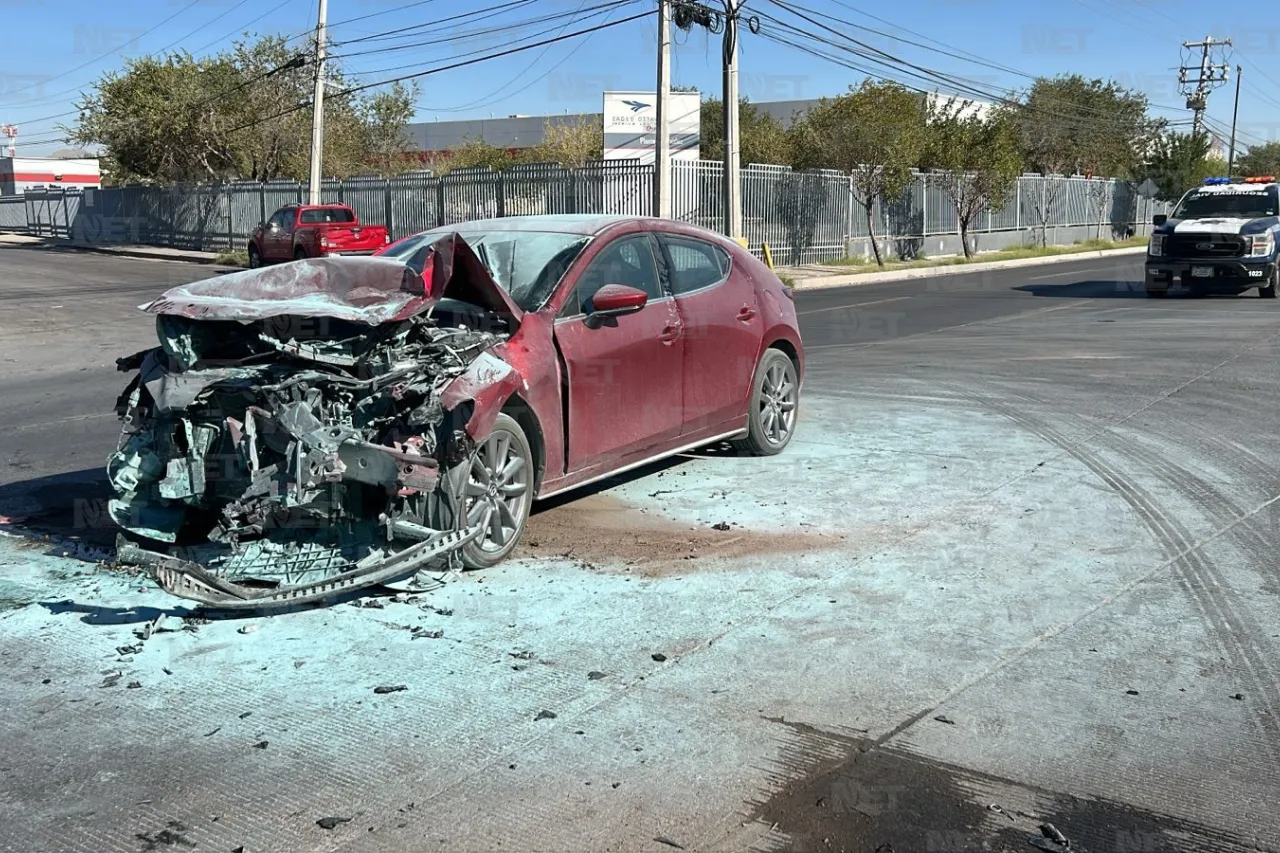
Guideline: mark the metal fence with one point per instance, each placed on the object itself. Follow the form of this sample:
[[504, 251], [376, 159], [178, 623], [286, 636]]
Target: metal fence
[[803, 216]]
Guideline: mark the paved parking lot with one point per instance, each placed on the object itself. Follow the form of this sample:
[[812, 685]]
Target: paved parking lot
[[1017, 567]]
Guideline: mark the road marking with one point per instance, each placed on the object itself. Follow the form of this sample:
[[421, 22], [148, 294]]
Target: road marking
[[852, 305]]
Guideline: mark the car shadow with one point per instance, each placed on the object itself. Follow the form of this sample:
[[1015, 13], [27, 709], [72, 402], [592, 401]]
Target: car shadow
[[1104, 289]]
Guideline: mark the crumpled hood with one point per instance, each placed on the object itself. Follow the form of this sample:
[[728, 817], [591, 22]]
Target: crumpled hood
[[368, 290]]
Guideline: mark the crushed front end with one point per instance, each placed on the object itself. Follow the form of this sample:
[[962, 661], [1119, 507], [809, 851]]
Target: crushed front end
[[273, 459]]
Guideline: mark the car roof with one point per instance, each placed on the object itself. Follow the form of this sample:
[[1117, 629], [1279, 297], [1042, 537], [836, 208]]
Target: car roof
[[567, 223]]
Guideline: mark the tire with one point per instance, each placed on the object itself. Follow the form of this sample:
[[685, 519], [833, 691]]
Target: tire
[[255, 260], [772, 416], [1157, 293], [1269, 291], [299, 254], [486, 551]]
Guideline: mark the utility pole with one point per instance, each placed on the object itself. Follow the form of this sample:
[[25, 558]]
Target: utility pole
[[1206, 76], [317, 108], [732, 160], [662, 142], [1235, 113]]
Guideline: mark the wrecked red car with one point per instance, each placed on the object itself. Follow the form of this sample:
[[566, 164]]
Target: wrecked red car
[[329, 424]]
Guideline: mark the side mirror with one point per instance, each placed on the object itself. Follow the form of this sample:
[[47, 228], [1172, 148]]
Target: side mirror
[[1159, 219], [615, 300]]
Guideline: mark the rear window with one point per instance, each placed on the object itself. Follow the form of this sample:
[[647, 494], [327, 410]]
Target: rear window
[[320, 215]]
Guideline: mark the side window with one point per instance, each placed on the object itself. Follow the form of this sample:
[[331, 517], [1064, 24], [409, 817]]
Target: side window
[[627, 260], [281, 219], [695, 264]]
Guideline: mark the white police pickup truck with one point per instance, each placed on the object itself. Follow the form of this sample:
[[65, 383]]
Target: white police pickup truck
[[1221, 238]]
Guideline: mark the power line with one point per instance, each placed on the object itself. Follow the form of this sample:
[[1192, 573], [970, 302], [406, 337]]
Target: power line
[[452, 66]]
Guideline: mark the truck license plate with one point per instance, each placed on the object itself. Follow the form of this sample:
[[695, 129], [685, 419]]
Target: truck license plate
[[1202, 272]]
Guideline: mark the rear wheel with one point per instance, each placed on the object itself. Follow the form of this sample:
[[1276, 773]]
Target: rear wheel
[[775, 403], [1156, 292], [498, 494], [299, 254]]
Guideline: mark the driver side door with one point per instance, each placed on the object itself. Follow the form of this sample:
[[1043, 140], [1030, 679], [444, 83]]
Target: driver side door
[[624, 375], [277, 243]]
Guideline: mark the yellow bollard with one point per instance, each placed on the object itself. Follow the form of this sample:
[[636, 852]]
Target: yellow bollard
[[768, 256]]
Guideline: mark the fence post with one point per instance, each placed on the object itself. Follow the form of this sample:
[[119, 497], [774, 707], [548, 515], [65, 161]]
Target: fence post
[[848, 218], [1017, 205], [262, 202], [389, 209], [924, 206], [440, 201], [500, 194]]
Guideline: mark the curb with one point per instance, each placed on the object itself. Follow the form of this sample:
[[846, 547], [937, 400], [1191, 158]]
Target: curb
[[139, 252], [818, 283]]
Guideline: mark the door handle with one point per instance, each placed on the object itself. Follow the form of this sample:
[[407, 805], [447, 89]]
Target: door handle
[[746, 313], [669, 334]]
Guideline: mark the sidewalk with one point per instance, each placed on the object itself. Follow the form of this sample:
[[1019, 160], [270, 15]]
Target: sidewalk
[[158, 253], [817, 276]]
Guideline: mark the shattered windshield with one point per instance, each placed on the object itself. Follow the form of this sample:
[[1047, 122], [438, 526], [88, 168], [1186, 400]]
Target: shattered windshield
[[526, 264], [1234, 203]]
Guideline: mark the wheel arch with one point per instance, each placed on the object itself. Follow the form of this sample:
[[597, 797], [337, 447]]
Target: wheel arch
[[517, 408]]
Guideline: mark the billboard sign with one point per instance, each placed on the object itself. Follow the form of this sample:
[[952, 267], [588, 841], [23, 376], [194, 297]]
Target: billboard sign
[[630, 121]]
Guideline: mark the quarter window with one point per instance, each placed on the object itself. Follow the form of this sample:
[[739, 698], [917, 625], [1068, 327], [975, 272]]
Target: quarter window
[[695, 264], [629, 261]]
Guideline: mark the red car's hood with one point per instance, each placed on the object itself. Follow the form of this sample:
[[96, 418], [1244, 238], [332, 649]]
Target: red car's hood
[[368, 290]]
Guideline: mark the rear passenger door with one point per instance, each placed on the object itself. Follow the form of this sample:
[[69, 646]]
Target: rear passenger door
[[722, 331]]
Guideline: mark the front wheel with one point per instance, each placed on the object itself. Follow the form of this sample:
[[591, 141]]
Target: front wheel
[[497, 494], [1269, 290], [775, 403]]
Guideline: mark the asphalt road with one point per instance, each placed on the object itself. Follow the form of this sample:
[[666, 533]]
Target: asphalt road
[[1059, 602]]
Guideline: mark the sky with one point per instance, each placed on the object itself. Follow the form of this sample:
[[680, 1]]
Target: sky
[[54, 49]]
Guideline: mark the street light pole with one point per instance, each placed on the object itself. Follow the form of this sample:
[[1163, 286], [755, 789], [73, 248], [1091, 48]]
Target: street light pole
[[732, 159], [1235, 112], [662, 142], [317, 108]]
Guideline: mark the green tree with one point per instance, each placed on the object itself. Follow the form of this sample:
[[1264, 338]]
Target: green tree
[[761, 137], [572, 143], [387, 115], [1178, 162], [875, 133], [235, 115], [1071, 124], [975, 157], [475, 153], [1259, 160]]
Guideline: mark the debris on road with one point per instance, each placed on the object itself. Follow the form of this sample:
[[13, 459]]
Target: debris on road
[[724, 525], [129, 650], [1051, 839], [133, 685], [1131, 693], [332, 822], [421, 633], [595, 675], [658, 656], [662, 839], [246, 629], [112, 678], [545, 715], [943, 718], [1238, 696], [152, 627], [390, 688]]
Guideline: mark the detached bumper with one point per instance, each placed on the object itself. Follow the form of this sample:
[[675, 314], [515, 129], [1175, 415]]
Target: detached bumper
[[1226, 274]]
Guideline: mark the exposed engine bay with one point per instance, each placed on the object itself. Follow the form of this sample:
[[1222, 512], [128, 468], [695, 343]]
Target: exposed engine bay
[[299, 430]]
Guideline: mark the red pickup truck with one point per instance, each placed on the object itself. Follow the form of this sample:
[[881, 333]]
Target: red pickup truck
[[312, 231]]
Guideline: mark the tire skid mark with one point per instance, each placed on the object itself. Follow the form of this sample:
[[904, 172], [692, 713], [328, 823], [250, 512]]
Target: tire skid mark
[[1196, 573]]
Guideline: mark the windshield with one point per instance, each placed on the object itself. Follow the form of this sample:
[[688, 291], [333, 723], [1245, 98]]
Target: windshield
[[1241, 203], [526, 264], [317, 215]]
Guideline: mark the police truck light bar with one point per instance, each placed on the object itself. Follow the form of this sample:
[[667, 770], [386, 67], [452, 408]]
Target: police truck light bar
[[1208, 182], [1265, 180]]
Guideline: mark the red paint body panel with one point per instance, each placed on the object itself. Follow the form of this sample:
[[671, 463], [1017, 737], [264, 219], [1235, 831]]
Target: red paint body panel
[[488, 383], [723, 334], [624, 383]]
